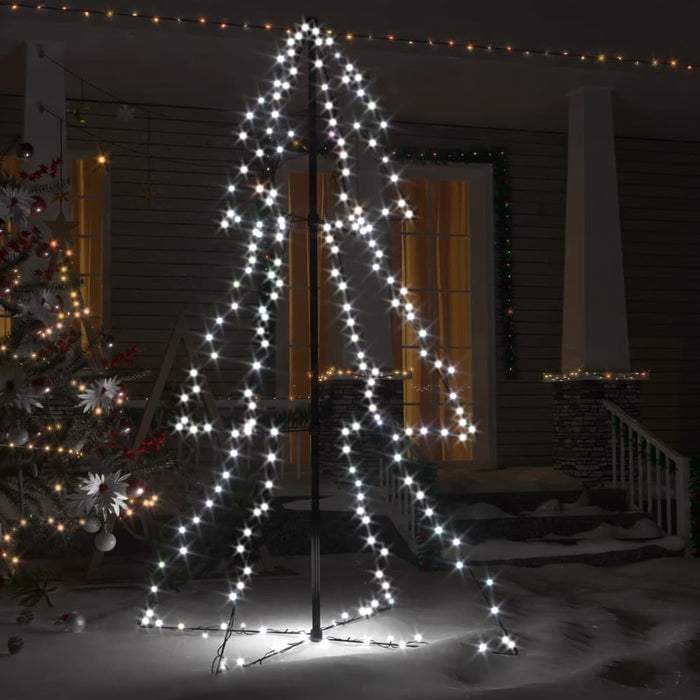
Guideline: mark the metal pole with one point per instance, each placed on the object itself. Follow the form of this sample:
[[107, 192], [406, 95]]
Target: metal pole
[[314, 423]]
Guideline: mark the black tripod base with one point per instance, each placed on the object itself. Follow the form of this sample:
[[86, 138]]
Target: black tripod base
[[316, 635]]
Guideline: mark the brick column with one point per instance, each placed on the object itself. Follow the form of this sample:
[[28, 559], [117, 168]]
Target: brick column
[[581, 425], [342, 401]]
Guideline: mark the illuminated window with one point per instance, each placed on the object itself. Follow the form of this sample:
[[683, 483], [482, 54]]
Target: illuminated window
[[87, 207], [12, 165], [298, 251], [431, 255]]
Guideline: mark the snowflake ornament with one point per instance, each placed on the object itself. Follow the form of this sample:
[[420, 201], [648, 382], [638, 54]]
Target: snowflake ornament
[[102, 493], [125, 113], [99, 395]]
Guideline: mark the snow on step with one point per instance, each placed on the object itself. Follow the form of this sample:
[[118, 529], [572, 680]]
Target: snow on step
[[644, 529], [499, 550], [480, 511]]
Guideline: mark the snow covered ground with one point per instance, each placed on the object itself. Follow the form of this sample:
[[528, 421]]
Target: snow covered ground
[[626, 633]]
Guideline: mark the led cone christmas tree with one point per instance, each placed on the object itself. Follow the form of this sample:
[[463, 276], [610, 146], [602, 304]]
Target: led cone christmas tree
[[270, 134]]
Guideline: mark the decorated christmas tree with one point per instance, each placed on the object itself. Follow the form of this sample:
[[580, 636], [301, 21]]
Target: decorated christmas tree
[[66, 459]]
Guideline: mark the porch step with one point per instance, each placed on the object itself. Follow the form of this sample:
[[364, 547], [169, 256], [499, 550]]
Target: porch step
[[537, 526], [518, 502], [596, 553]]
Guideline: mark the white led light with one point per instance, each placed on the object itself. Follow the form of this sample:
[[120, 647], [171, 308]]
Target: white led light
[[495, 610]]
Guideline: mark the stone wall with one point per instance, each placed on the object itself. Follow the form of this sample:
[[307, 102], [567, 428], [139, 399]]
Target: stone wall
[[581, 424], [342, 399]]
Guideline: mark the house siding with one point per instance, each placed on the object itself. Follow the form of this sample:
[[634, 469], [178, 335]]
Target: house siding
[[169, 257]]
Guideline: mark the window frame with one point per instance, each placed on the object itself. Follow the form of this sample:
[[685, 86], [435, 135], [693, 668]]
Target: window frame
[[81, 154], [479, 177]]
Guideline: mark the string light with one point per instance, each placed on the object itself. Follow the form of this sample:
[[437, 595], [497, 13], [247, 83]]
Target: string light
[[452, 46], [251, 426], [579, 374]]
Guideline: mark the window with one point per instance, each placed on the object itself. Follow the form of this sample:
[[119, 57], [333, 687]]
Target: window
[[87, 204], [445, 258], [298, 261], [431, 255], [87, 207]]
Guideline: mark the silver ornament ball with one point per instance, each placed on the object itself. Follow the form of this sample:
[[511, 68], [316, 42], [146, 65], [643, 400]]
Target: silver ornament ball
[[105, 541], [75, 622], [18, 436], [92, 525]]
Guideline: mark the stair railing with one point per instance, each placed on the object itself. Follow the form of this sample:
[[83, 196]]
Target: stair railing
[[399, 501], [655, 477]]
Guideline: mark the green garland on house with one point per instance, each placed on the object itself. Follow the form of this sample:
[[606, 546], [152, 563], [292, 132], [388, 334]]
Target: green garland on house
[[501, 208], [695, 504], [496, 157]]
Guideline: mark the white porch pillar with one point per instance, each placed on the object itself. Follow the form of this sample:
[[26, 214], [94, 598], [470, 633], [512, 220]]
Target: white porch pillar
[[594, 335], [44, 85]]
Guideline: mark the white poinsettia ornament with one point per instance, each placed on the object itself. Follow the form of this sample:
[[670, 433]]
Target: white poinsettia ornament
[[15, 388], [101, 493], [15, 202], [43, 305], [100, 394]]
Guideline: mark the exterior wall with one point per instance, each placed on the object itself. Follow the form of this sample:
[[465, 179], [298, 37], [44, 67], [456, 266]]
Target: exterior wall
[[341, 398], [582, 436], [170, 257]]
